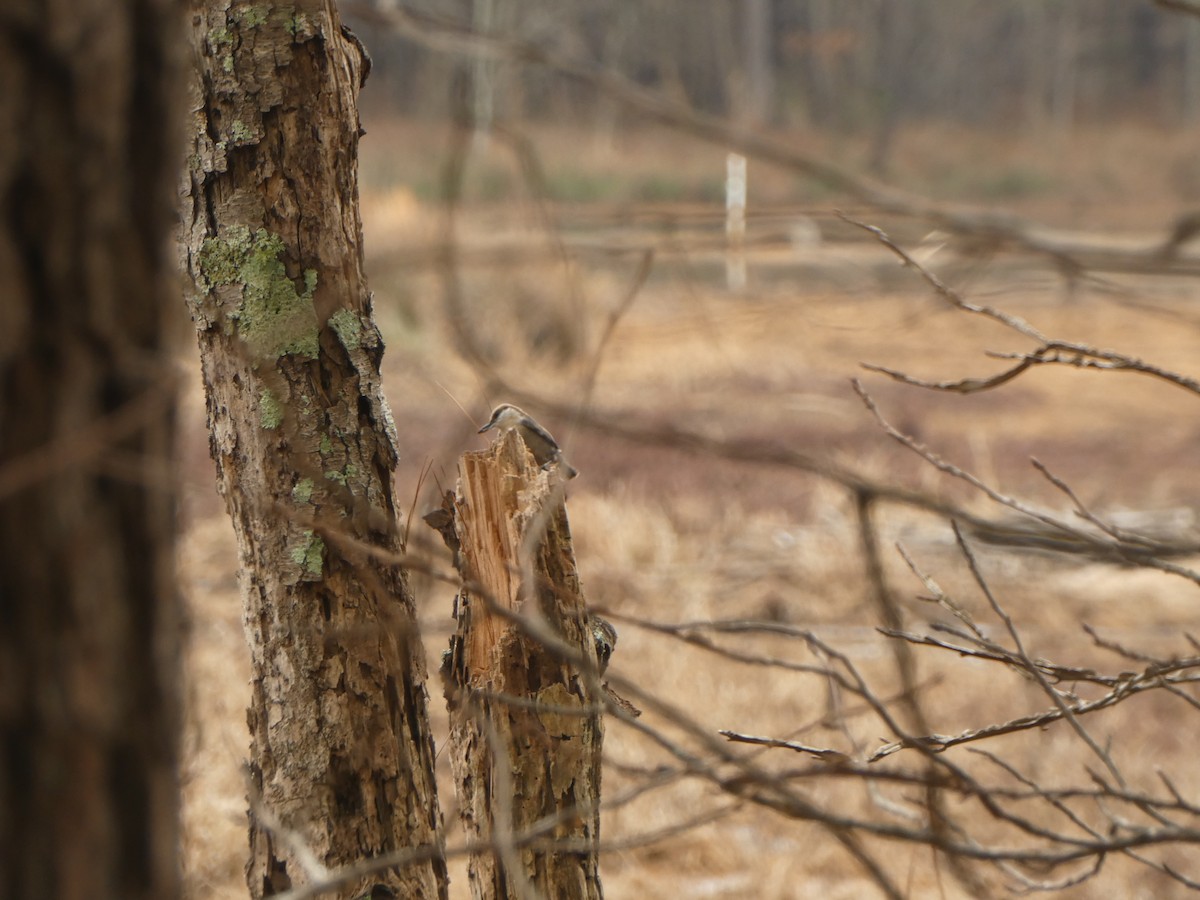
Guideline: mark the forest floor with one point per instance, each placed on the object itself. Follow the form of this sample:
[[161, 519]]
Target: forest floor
[[668, 535]]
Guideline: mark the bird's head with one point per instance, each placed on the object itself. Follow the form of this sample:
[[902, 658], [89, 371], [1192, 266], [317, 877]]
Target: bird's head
[[504, 416]]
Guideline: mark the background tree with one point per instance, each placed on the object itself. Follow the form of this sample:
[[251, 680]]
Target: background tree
[[305, 447], [89, 637], [858, 64]]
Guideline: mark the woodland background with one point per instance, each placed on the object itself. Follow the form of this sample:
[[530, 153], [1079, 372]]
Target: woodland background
[[590, 262]]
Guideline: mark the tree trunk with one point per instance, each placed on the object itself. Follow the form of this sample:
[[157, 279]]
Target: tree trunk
[[305, 447], [899, 33], [759, 54], [89, 627], [819, 82], [1064, 88], [1190, 98], [526, 732]]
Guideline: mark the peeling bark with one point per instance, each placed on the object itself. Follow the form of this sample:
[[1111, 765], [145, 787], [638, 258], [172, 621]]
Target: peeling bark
[[304, 444], [89, 610], [526, 734]]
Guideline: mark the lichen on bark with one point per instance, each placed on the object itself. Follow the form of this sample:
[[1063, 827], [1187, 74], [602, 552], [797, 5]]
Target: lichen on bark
[[270, 410], [303, 490], [341, 753], [309, 553], [273, 318], [348, 327]]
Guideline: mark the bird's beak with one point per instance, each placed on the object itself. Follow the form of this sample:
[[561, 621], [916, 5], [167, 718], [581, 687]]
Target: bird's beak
[[485, 427]]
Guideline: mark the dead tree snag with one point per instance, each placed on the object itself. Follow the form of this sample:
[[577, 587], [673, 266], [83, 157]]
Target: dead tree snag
[[522, 680]]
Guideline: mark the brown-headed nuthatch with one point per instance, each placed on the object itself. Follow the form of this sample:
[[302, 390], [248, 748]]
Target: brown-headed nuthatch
[[539, 441]]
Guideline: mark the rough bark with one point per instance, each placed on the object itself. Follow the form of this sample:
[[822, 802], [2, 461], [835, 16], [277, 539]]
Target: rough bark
[[305, 446], [526, 736], [89, 630]]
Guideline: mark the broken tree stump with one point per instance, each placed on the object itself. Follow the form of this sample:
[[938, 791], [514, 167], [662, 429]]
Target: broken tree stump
[[522, 681]]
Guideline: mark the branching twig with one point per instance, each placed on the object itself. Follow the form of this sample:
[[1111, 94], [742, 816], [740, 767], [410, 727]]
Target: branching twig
[[1048, 352], [1028, 663], [951, 296], [1100, 544]]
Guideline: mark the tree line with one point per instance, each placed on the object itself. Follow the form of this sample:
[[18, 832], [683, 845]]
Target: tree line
[[831, 64]]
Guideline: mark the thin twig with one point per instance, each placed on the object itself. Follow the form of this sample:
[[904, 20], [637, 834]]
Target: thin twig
[[1028, 663]]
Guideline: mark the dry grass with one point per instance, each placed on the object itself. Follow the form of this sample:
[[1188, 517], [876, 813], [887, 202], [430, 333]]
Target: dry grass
[[1115, 176], [668, 536]]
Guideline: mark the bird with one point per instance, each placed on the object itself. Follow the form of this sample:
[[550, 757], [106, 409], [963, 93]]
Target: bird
[[539, 441], [605, 638]]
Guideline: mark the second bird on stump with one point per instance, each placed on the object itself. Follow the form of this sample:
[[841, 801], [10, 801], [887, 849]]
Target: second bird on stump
[[541, 444]]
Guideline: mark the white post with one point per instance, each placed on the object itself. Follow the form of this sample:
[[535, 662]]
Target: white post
[[735, 222]]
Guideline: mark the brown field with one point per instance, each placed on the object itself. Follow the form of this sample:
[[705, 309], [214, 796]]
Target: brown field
[[670, 536]]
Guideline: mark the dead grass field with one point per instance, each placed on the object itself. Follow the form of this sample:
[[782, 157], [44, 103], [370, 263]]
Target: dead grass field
[[665, 535]]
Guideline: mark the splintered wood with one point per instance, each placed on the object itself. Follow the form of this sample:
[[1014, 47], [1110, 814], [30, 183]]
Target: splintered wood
[[522, 681]]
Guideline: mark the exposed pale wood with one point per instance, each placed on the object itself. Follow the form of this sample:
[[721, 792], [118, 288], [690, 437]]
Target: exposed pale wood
[[517, 765]]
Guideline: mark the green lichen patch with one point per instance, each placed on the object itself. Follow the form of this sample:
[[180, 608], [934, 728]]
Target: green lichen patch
[[309, 552], [343, 477], [348, 327], [274, 319], [303, 490], [241, 132], [270, 410], [325, 446], [220, 260], [220, 38], [253, 16], [221, 41], [298, 26]]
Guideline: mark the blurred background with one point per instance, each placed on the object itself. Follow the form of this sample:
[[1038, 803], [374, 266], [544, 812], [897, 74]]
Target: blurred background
[[629, 217]]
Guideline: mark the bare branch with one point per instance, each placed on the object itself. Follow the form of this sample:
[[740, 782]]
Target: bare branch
[[951, 296], [1101, 545], [1049, 352], [957, 386], [1126, 686], [835, 757], [1082, 356], [939, 596], [1028, 664], [1187, 7]]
